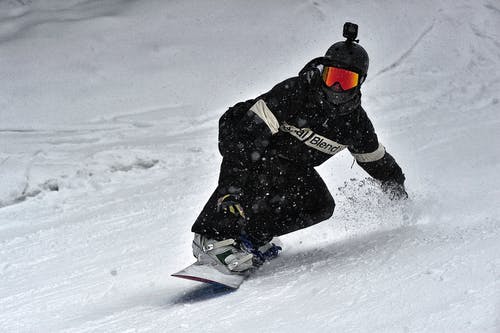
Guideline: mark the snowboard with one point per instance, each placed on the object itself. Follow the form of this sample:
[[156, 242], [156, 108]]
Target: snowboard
[[216, 275]]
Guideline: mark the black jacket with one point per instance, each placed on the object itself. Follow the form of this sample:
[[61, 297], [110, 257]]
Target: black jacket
[[294, 121]]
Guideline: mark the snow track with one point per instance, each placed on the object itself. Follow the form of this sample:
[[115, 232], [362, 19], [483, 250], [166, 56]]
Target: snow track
[[108, 151]]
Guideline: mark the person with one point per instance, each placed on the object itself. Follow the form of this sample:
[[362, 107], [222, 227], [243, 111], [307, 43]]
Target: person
[[270, 146]]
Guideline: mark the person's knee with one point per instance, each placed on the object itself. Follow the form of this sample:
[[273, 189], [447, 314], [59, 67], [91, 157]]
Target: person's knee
[[328, 208]]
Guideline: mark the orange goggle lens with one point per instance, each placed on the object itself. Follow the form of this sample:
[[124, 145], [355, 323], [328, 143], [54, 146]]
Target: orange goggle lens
[[345, 78]]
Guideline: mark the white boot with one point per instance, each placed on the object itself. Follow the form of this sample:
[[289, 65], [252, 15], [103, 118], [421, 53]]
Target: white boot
[[225, 252]]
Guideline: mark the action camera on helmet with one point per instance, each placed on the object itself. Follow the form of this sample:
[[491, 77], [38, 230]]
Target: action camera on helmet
[[350, 31]]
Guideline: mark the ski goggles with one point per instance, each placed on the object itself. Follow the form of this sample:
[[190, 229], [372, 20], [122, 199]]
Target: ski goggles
[[347, 79]]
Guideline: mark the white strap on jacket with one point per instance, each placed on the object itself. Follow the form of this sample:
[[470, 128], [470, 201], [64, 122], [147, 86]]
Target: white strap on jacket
[[261, 109], [371, 157]]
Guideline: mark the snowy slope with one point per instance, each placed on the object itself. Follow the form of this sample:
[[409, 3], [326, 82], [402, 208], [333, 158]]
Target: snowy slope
[[108, 151]]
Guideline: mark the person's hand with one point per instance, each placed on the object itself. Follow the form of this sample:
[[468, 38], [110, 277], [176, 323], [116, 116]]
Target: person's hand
[[229, 203], [394, 190]]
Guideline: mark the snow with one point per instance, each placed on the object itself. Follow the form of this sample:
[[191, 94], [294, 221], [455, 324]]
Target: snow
[[108, 152]]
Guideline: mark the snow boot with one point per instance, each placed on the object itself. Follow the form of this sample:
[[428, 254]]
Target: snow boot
[[226, 252], [261, 253]]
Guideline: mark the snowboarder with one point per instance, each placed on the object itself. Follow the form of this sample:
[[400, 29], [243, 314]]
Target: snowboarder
[[270, 146]]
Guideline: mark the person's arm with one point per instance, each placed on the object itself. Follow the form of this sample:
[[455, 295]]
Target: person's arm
[[375, 160], [245, 132]]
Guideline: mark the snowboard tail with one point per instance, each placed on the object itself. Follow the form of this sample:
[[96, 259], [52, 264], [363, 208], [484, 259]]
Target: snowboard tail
[[211, 274]]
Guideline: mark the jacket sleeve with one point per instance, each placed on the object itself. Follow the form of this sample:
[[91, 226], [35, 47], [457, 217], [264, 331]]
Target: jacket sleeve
[[246, 131], [243, 138], [371, 155]]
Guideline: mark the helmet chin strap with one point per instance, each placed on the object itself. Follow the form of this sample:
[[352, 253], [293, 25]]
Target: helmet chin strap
[[362, 79]]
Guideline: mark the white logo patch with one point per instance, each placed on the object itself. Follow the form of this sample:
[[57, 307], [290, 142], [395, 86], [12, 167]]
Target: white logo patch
[[313, 140]]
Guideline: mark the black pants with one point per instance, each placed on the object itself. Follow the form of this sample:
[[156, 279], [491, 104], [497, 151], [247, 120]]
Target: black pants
[[279, 197]]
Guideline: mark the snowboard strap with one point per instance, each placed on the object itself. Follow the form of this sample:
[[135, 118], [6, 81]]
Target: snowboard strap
[[216, 245]]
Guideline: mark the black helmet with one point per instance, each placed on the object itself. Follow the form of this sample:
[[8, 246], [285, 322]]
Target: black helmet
[[349, 54]]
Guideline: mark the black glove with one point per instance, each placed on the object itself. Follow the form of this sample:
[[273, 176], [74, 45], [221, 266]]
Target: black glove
[[394, 190], [229, 203]]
